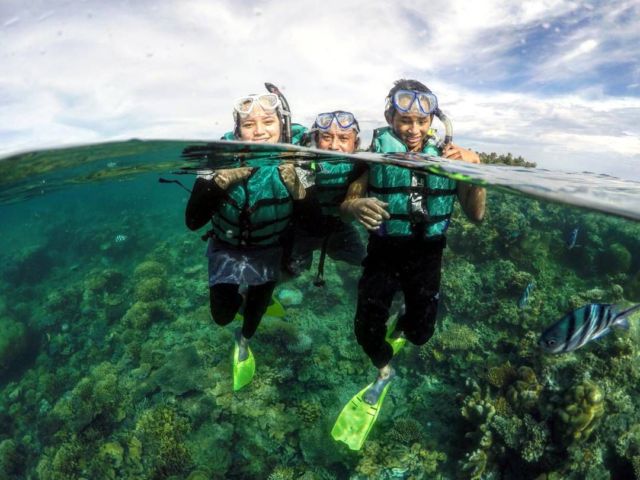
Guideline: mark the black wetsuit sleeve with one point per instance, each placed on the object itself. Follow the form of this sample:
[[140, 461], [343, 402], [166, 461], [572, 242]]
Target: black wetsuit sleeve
[[358, 169], [204, 201]]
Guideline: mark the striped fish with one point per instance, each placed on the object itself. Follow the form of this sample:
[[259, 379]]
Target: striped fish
[[582, 325], [524, 299], [572, 238]]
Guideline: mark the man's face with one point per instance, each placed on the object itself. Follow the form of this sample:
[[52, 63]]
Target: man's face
[[260, 126], [337, 139], [412, 129]]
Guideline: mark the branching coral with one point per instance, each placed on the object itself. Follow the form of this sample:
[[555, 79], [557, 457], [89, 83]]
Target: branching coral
[[583, 407], [523, 394]]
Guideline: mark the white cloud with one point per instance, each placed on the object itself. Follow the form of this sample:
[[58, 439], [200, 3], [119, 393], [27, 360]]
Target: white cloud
[[91, 71]]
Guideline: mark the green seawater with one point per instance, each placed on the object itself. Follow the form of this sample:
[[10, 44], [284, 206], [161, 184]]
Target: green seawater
[[112, 368]]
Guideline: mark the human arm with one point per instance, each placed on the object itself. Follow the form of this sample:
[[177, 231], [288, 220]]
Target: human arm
[[292, 181], [208, 192], [472, 198], [205, 199], [369, 211]]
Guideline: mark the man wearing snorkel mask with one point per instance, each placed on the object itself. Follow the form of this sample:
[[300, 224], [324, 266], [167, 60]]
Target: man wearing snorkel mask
[[249, 209], [407, 214], [335, 131]]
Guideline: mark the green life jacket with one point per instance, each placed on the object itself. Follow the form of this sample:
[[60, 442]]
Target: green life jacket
[[393, 185], [332, 182], [254, 212]]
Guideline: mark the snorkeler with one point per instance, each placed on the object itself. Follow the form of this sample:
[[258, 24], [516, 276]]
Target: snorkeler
[[335, 131], [250, 211], [407, 214]]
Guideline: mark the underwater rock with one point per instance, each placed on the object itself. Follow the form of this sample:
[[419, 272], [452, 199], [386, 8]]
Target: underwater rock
[[583, 407], [290, 297], [183, 371]]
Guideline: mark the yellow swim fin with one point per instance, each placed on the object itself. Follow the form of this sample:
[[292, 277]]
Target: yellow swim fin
[[357, 418]]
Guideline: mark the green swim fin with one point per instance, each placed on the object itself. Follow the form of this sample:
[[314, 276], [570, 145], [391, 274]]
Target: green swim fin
[[275, 309], [356, 419], [396, 343], [242, 371]]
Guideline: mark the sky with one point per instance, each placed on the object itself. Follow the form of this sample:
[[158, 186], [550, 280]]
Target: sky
[[555, 81]]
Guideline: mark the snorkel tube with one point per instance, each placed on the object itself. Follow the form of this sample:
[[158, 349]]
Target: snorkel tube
[[286, 111], [448, 127]]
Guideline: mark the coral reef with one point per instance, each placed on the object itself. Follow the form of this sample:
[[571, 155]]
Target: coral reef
[[111, 367], [583, 407]]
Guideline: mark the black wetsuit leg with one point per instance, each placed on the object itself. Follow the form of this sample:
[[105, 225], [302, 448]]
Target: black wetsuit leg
[[258, 299], [225, 301], [346, 245], [376, 288], [421, 286]]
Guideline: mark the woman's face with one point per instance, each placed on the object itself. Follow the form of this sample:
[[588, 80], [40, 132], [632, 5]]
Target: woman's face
[[260, 126]]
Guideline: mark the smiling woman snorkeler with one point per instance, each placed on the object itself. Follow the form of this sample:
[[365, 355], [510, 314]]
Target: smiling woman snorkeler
[[250, 210]]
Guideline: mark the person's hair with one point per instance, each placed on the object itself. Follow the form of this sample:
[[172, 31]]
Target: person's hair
[[402, 84], [406, 84]]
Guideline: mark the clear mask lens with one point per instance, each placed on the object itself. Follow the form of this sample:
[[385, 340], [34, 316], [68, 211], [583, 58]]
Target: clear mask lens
[[343, 119], [268, 101], [417, 102]]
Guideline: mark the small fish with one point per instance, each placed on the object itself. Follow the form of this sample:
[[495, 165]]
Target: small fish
[[586, 323], [112, 164], [121, 238], [573, 238], [524, 299]]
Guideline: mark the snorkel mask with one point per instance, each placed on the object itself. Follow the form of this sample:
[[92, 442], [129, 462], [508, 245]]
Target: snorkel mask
[[422, 103], [344, 120]]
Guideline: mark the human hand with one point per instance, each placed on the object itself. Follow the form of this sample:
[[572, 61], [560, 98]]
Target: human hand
[[291, 181], [370, 212], [453, 152], [228, 176]]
